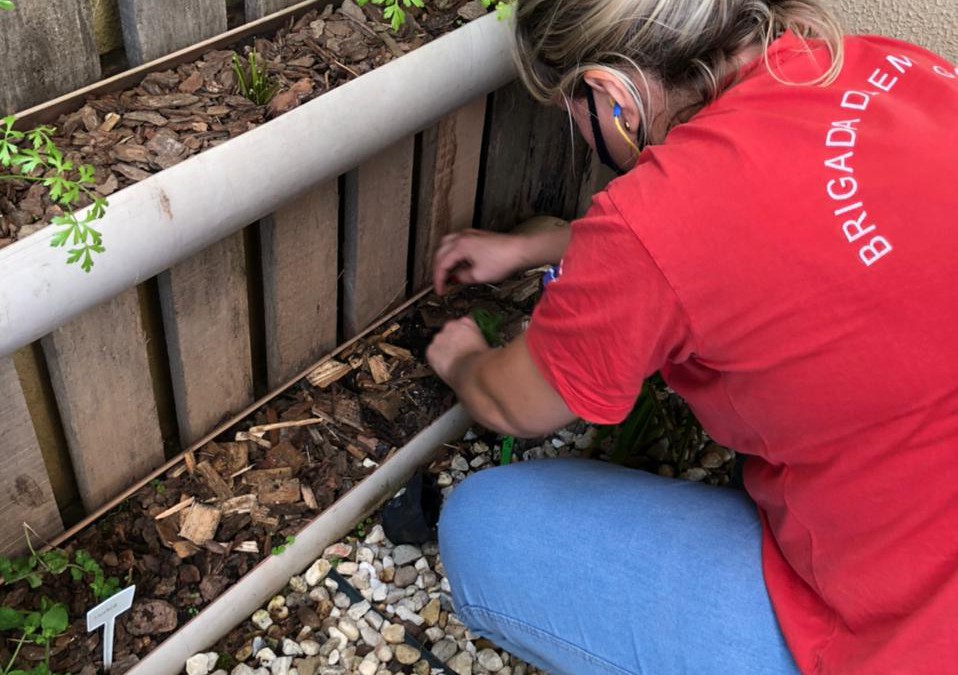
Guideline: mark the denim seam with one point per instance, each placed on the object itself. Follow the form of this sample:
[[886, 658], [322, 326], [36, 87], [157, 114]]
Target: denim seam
[[557, 641]]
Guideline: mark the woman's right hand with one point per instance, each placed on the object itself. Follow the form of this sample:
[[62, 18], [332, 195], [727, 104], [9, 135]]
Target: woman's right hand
[[476, 257]]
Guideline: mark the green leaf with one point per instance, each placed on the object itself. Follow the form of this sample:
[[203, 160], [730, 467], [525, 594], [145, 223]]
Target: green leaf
[[55, 620], [10, 619], [34, 580], [504, 11], [56, 560], [86, 174], [6, 5]]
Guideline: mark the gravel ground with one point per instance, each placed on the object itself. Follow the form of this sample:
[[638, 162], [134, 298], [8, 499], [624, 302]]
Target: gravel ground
[[321, 626]]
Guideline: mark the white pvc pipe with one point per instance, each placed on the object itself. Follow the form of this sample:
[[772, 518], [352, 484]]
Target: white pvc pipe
[[271, 575], [178, 212]]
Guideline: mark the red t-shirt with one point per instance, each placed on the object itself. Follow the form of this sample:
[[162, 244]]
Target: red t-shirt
[[789, 260]]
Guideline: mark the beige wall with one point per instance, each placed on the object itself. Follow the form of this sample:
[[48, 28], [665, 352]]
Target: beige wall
[[930, 23]]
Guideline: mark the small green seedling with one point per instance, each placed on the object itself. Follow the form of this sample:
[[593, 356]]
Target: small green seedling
[[6, 4], [55, 562], [363, 527], [503, 8], [490, 324], [278, 550], [505, 454], [32, 157], [252, 81], [38, 628], [393, 10]]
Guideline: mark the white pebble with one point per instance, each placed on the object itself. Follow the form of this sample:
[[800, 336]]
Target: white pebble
[[376, 535], [290, 648], [347, 569], [261, 619], [309, 647], [359, 610], [198, 665], [317, 572]]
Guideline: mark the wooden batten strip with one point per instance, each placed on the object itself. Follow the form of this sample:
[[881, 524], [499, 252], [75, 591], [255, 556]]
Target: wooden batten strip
[[206, 317], [233, 421], [449, 175], [101, 378], [25, 492], [257, 9]]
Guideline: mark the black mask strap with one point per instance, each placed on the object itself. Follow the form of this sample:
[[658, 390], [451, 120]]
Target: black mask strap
[[600, 146]]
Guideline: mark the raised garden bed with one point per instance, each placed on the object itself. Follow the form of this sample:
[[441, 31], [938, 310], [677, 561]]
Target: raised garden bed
[[190, 534]]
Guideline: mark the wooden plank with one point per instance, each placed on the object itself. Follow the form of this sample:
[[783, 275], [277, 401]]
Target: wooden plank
[[257, 9], [300, 246], [54, 39], [25, 492], [100, 372], [535, 162], [376, 243], [206, 317], [153, 29], [449, 171]]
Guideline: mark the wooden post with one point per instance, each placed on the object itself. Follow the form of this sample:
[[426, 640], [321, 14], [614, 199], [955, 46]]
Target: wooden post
[[47, 49], [378, 203], [100, 372], [535, 162], [449, 171], [300, 245], [206, 317], [153, 29], [257, 9], [25, 492]]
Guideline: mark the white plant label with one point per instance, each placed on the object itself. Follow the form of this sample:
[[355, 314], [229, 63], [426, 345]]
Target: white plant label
[[105, 615]]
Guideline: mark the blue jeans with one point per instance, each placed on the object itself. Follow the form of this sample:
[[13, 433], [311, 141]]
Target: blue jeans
[[582, 567]]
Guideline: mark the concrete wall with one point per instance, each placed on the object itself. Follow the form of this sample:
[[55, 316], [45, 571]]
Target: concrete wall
[[933, 24]]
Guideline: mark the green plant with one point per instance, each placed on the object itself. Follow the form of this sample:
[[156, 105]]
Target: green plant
[[38, 628], [55, 562], [394, 13], [657, 418], [31, 156], [505, 454], [393, 10], [278, 550], [6, 4], [503, 8], [158, 486], [252, 81], [490, 324], [362, 528]]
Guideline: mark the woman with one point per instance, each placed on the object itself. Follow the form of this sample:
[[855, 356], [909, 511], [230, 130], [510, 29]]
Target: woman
[[781, 246]]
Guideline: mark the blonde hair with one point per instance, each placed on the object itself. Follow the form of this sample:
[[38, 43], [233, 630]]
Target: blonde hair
[[686, 45]]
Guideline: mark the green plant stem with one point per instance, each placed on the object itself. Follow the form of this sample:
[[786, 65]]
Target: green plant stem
[[16, 653]]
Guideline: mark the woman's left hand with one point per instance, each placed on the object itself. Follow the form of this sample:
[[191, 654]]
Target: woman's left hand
[[456, 340]]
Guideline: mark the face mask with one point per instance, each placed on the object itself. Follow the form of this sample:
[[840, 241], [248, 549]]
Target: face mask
[[600, 147]]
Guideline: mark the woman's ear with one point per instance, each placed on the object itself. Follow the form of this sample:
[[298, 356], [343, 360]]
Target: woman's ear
[[610, 91]]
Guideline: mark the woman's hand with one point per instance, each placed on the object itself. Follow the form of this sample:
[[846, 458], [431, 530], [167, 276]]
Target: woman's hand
[[476, 257], [457, 339]]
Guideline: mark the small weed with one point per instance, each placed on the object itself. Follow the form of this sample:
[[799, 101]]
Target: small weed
[[278, 550], [491, 325], [6, 4], [158, 486], [394, 13], [252, 81], [362, 528]]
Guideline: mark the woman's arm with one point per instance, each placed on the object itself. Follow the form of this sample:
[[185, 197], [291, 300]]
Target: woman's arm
[[501, 388]]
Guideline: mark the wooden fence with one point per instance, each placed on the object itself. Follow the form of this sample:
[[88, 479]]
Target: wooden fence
[[102, 401]]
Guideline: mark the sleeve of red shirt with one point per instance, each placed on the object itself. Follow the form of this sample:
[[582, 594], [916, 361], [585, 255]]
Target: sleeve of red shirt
[[609, 321]]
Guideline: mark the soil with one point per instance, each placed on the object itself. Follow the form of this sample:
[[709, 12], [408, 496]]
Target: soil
[[174, 114], [186, 537]]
